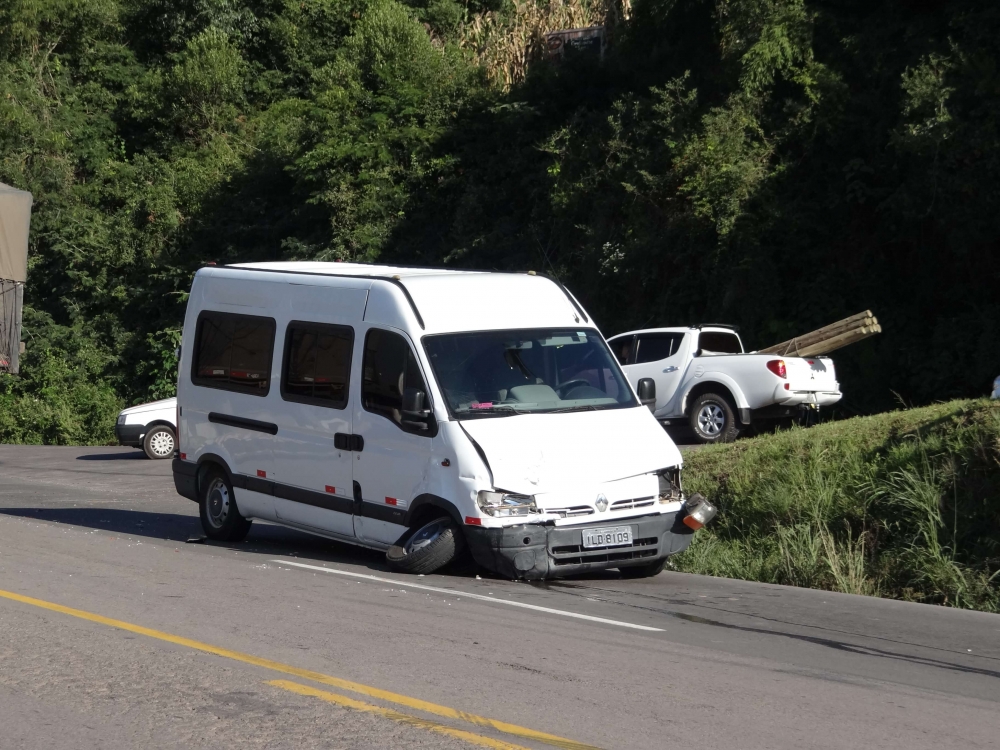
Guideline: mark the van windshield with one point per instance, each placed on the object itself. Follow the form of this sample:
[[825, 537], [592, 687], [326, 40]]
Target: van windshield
[[499, 373]]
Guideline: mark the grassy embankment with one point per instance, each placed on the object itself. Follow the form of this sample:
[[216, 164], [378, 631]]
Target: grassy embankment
[[903, 505]]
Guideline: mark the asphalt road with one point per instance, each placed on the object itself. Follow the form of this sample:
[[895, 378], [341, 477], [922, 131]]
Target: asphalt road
[[117, 632]]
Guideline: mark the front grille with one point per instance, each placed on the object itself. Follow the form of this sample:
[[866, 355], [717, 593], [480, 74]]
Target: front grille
[[637, 502], [571, 512], [577, 554]]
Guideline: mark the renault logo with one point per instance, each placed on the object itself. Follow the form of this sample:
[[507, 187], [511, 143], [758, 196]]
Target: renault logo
[[602, 503]]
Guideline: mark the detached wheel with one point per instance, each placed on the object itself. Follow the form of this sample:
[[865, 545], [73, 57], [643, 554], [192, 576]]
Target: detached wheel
[[712, 419], [159, 442], [644, 571], [426, 549], [220, 518]]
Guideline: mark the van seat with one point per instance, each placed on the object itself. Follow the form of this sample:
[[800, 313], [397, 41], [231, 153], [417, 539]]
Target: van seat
[[534, 394]]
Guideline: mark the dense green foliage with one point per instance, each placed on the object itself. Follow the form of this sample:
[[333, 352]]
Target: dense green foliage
[[904, 504], [771, 163]]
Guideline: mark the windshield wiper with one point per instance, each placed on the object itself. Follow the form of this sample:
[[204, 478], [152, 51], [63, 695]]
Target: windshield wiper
[[506, 410], [582, 407]]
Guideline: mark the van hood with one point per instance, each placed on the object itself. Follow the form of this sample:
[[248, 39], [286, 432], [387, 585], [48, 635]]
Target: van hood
[[167, 403], [536, 453]]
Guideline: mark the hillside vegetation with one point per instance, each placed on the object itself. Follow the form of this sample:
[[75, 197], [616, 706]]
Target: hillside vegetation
[[903, 505], [777, 164]]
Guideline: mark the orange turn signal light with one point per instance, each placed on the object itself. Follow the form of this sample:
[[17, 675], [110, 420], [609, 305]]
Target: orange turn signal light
[[692, 522]]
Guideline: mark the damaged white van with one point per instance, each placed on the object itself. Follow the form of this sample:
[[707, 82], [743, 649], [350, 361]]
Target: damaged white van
[[420, 411]]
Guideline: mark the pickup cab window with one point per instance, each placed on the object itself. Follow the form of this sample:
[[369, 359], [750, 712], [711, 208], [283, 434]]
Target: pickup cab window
[[621, 347], [652, 347], [719, 342]]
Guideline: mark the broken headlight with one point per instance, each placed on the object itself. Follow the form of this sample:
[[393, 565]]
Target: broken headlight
[[505, 503], [670, 485]]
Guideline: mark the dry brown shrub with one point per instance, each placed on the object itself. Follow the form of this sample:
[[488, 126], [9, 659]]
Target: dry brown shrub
[[506, 42]]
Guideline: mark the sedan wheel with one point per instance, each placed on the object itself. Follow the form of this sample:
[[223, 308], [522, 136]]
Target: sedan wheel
[[159, 443]]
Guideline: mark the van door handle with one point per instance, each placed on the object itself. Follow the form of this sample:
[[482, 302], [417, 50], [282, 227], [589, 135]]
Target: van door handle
[[344, 442]]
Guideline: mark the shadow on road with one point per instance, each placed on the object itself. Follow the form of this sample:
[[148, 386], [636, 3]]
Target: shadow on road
[[264, 538], [131, 456]]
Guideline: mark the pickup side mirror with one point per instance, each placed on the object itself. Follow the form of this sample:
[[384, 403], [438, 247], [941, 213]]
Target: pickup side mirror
[[415, 413], [647, 392]]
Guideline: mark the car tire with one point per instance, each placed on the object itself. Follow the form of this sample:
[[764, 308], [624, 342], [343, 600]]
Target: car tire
[[220, 517], [426, 548], [712, 419], [644, 571], [159, 442]]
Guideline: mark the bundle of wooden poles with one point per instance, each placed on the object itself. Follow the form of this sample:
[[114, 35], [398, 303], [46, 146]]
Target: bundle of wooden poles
[[829, 338]]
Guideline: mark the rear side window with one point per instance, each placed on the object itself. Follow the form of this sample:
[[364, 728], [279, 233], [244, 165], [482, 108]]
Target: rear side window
[[389, 368], [233, 352], [317, 364], [720, 342], [653, 347]]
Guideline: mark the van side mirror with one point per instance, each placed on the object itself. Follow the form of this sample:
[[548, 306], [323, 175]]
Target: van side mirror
[[413, 401], [415, 412], [647, 392]]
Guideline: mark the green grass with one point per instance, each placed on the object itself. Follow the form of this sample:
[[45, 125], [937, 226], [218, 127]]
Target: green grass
[[903, 505]]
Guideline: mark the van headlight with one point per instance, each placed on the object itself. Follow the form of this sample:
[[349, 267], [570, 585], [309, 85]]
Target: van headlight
[[506, 503]]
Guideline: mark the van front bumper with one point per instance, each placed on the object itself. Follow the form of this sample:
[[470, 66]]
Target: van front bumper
[[535, 551]]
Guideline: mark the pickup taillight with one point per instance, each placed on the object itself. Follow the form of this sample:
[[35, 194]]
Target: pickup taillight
[[777, 366]]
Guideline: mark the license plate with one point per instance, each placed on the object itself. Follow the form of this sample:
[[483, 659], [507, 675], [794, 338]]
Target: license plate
[[613, 536]]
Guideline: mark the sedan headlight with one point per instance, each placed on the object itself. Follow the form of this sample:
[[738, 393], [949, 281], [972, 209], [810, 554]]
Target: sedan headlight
[[506, 504], [121, 419]]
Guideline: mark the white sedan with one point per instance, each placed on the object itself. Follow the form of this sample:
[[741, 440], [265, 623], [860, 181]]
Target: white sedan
[[152, 427]]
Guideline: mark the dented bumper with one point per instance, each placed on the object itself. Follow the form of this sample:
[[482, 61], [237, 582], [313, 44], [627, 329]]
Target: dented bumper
[[536, 551]]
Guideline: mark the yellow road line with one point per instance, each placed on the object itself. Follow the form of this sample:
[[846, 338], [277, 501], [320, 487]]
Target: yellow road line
[[414, 721], [308, 674]]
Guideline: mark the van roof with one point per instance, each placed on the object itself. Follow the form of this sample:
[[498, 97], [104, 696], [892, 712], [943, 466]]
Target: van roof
[[443, 300], [336, 268]]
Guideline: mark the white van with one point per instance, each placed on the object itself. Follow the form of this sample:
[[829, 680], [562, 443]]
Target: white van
[[418, 411]]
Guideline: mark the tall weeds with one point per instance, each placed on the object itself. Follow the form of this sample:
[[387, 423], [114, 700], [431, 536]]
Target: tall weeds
[[905, 505]]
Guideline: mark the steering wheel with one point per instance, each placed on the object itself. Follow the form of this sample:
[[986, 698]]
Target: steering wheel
[[569, 383]]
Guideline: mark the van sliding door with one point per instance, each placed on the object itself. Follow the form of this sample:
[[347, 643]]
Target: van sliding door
[[313, 447]]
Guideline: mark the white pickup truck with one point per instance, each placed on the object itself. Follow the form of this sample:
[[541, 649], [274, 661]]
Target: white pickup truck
[[704, 378]]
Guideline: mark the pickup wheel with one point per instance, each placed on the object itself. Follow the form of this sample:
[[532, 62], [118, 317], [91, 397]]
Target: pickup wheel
[[712, 419]]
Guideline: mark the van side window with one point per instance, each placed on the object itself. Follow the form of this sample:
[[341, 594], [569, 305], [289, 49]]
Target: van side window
[[317, 364], [233, 352], [389, 368], [656, 346]]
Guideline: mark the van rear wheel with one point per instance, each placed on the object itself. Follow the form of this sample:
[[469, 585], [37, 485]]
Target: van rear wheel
[[426, 548], [220, 518]]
